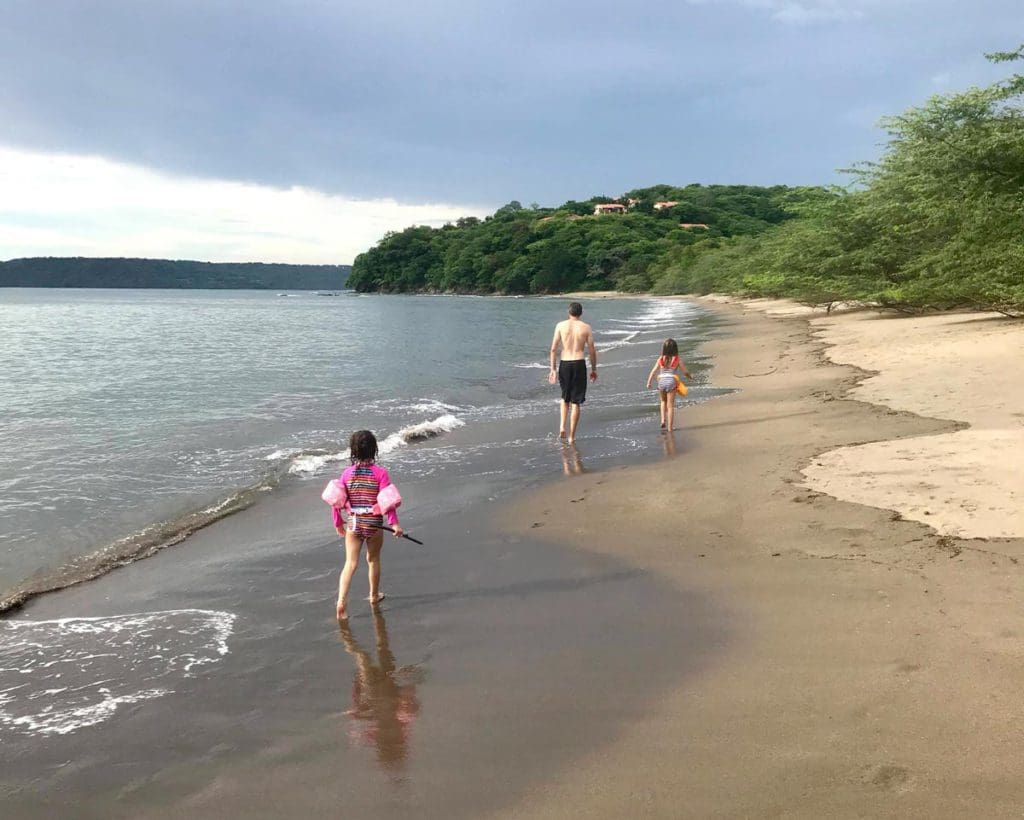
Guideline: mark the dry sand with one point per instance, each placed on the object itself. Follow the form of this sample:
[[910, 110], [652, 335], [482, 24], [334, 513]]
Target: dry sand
[[969, 368], [963, 367], [877, 664]]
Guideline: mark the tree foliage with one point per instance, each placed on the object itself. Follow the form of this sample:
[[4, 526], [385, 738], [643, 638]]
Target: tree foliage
[[936, 223], [546, 250]]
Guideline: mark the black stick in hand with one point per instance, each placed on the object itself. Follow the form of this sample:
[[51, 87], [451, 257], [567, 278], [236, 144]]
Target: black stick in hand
[[386, 527]]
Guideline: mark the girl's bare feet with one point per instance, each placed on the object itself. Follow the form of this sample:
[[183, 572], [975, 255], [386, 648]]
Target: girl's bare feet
[[342, 611], [377, 599]]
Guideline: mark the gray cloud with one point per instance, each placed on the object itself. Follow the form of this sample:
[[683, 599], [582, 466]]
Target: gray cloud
[[464, 101]]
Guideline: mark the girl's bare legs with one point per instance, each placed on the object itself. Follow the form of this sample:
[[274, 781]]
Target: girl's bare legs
[[353, 545], [373, 547], [670, 401], [662, 399]]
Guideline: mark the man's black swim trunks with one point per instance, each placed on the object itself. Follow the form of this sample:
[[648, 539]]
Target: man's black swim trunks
[[572, 378]]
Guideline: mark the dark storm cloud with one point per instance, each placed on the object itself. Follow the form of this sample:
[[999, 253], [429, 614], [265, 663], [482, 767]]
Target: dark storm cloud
[[481, 103]]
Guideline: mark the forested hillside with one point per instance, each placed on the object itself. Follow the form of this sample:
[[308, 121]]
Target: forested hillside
[[937, 222], [544, 250], [81, 272]]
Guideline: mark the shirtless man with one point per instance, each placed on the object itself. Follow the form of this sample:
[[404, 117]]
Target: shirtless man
[[573, 335]]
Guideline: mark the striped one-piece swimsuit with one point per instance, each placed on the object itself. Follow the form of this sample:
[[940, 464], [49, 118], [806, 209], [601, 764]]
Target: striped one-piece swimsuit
[[667, 375], [362, 495]]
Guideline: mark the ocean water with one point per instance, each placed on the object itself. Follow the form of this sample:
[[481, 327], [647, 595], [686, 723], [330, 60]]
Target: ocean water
[[132, 418]]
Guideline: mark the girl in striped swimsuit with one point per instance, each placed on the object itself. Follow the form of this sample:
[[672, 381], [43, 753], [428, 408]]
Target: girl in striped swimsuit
[[665, 369], [363, 481]]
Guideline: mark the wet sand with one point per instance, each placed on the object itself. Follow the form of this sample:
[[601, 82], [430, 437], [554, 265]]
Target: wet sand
[[495, 660], [878, 675]]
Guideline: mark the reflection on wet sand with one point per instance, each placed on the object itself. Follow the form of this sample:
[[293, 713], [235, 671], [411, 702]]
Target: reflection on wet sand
[[384, 703], [668, 442], [572, 463]]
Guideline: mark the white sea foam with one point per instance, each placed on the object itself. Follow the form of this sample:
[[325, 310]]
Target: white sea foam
[[534, 365], [418, 432], [657, 315], [392, 405], [623, 342], [63, 675], [432, 406], [314, 463]]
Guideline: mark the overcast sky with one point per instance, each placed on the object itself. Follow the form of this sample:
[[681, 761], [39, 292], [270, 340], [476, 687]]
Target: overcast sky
[[302, 131]]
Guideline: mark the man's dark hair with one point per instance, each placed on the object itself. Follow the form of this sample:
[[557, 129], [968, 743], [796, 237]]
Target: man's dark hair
[[576, 309]]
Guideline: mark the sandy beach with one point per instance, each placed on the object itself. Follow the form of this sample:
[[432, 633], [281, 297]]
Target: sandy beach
[[728, 630], [877, 668]]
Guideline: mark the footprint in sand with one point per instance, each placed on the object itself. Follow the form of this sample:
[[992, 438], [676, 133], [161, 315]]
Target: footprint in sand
[[889, 778]]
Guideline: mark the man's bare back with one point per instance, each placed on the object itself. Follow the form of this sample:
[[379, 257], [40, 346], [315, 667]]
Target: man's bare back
[[576, 339], [574, 336]]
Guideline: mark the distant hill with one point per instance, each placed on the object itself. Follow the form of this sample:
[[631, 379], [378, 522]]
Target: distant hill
[[82, 272], [622, 243]]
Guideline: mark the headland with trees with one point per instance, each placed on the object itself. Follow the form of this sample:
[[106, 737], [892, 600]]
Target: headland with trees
[[937, 222], [87, 272]]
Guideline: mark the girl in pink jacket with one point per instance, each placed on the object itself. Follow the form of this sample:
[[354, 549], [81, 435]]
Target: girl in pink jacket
[[363, 481]]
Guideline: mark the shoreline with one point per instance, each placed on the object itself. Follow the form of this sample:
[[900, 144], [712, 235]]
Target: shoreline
[[869, 640], [701, 635], [947, 366], [96, 548]]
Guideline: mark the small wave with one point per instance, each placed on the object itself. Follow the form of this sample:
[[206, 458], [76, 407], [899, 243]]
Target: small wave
[[63, 675], [312, 462], [422, 431], [534, 366]]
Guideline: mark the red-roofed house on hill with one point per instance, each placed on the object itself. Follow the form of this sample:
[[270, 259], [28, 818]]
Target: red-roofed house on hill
[[694, 225], [660, 206], [609, 208]]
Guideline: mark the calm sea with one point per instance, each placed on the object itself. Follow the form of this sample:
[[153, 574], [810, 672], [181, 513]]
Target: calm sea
[[130, 418]]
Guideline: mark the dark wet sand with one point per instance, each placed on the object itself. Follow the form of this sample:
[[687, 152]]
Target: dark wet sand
[[495, 661]]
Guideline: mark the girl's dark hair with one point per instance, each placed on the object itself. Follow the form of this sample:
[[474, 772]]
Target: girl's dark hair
[[362, 446], [670, 349]]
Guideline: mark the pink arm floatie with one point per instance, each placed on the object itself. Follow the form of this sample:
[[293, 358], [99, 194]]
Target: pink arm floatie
[[388, 499], [336, 495]]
